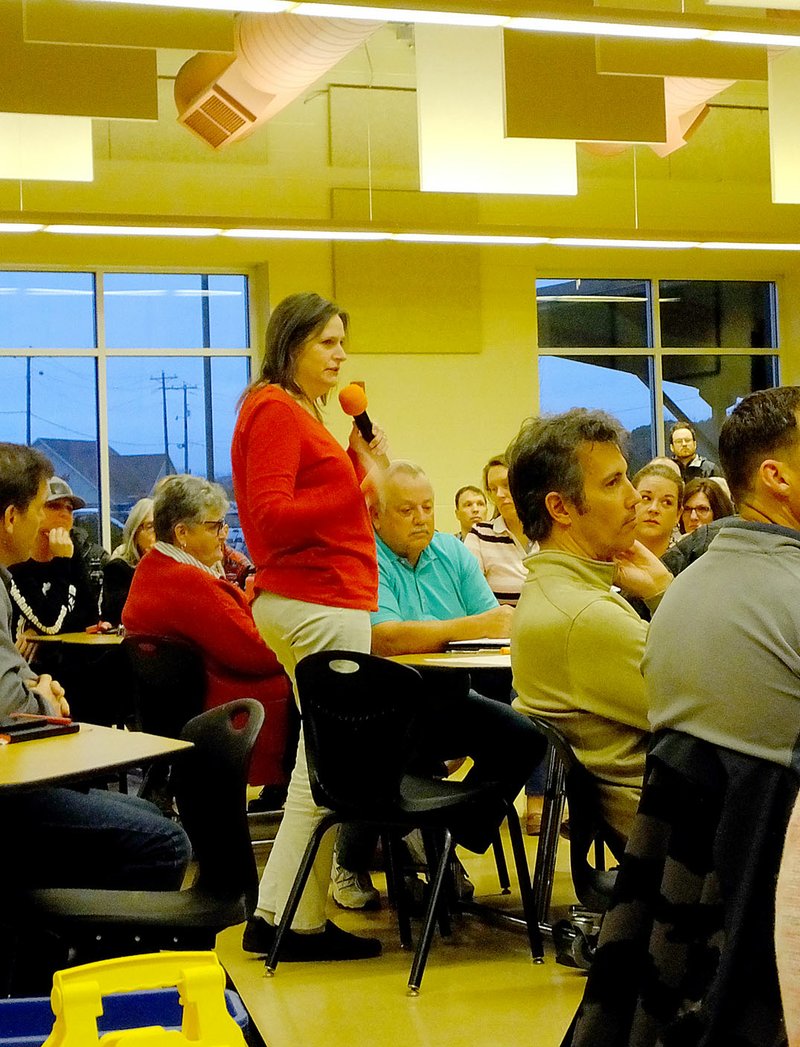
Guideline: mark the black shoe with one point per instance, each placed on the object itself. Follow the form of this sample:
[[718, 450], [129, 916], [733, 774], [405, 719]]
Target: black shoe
[[330, 944], [258, 936], [271, 798]]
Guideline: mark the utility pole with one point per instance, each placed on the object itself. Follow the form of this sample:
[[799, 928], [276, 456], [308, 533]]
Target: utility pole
[[207, 394], [186, 428], [185, 387], [28, 400], [164, 379]]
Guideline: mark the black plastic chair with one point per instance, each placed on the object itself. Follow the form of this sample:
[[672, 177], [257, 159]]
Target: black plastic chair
[[568, 779], [169, 682], [361, 718], [210, 784]]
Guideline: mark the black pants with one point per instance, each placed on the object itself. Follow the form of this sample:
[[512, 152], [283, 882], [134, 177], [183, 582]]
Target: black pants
[[502, 743]]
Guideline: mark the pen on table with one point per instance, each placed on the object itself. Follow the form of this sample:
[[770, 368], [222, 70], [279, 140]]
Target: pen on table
[[41, 718]]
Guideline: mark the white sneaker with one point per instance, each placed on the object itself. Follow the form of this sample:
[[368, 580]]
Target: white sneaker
[[354, 890]]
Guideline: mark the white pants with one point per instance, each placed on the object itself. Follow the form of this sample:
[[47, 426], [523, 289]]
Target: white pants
[[294, 629]]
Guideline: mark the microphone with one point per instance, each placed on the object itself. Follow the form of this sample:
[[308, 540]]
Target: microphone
[[353, 400]]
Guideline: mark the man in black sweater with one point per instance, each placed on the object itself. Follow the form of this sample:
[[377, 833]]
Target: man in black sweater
[[52, 593]]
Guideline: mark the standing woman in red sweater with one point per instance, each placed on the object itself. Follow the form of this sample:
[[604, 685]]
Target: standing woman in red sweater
[[309, 534]]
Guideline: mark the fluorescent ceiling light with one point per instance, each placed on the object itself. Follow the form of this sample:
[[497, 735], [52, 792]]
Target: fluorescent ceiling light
[[592, 298], [724, 36], [604, 298], [388, 14], [458, 238], [304, 234], [479, 239], [268, 7], [589, 28], [61, 292], [710, 245], [584, 27], [129, 230], [584, 241]]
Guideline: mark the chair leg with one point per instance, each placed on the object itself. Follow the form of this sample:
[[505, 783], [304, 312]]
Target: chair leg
[[433, 854], [298, 887], [426, 933], [525, 889], [544, 869], [397, 889], [502, 865]]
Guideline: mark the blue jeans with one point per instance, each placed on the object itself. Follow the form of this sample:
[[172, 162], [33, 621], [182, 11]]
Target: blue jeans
[[58, 837]]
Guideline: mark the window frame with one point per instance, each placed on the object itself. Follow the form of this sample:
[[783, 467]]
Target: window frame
[[101, 353], [656, 350]]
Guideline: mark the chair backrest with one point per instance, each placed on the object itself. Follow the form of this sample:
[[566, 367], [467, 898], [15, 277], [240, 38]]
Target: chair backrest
[[210, 783], [587, 826], [359, 717], [170, 682]]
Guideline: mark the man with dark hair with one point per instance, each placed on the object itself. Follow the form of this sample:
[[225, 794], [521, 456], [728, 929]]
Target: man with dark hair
[[63, 837], [736, 681], [470, 509], [683, 444], [52, 592], [576, 644]]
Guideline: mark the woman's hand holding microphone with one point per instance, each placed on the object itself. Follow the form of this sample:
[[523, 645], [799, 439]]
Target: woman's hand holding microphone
[[366, 439]]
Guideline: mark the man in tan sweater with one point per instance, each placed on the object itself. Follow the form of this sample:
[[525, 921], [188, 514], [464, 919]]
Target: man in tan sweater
[[576, 644]]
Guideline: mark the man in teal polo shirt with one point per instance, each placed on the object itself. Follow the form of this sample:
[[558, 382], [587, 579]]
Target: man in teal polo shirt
[[431, 591]]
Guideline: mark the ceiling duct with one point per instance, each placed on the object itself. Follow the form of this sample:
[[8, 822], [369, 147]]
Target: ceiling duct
[[222, 98]]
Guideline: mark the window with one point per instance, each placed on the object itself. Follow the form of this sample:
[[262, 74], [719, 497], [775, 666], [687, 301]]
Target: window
[[47, 311], [621, 385], [666, 373], [611, 314], [161, 374]]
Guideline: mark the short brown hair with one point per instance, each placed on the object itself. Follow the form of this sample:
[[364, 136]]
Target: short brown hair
[[544, 458], [762, 425], [22, 470]]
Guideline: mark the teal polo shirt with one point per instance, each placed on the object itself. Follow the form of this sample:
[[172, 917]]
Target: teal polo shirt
[[446, 583]]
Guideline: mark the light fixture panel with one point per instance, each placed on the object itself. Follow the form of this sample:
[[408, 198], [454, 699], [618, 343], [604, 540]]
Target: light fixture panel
[[461, 119], [34, 147]]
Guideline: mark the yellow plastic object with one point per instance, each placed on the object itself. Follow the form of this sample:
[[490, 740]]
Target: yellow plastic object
[[77, 1001]]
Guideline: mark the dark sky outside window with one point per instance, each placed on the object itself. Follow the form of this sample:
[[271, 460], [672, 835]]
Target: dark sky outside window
[[56, 397]]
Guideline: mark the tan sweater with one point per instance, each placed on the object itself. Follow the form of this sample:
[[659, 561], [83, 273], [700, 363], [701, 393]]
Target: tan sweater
[[576, 650]]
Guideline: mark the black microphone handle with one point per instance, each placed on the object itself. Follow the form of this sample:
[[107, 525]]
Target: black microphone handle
[[364, 426]]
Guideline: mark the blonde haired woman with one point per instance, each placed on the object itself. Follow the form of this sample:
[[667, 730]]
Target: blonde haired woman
[[138, 536]]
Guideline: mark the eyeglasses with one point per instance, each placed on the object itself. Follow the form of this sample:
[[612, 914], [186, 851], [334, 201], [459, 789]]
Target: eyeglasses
[[699, 510], [214, 526], [688, 441]]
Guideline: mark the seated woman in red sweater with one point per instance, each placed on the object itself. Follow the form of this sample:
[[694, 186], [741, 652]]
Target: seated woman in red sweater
[[177, 592]]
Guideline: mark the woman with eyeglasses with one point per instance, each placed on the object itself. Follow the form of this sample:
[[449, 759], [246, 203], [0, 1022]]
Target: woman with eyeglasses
[[138, 537], [177, 591], [703, 501]]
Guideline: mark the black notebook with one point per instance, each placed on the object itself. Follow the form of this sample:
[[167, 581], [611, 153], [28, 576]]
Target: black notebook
[[22, 730]]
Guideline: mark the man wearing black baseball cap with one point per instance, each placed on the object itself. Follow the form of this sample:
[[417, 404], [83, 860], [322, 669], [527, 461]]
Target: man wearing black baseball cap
[[52, 593]]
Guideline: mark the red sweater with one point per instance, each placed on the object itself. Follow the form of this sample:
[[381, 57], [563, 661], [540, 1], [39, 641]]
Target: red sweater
[[168, 598], [300, 504]]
